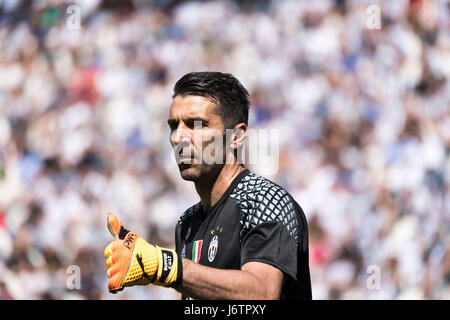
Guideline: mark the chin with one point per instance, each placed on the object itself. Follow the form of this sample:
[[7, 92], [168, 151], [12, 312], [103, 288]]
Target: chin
[[197, 173], [189, 173]]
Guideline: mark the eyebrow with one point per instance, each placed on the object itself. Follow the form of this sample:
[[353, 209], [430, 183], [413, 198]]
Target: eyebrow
[[172, 121]]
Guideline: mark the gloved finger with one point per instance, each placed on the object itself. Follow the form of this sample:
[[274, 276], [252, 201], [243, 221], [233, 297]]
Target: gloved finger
[[115, 270], [115, 291], [115, 227], [114, 282], [109, 262], [112, 252], [120, 260], [108, 250]]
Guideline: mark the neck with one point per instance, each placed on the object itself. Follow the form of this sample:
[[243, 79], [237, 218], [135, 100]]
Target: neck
[[211, 191]]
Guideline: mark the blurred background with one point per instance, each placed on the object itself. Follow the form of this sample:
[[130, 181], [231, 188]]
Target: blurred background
[[363, 115]]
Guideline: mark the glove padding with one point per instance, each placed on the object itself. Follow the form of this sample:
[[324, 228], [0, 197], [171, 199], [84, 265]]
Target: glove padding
[[133, 261]]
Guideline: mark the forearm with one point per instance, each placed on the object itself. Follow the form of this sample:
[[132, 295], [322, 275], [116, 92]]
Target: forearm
[[201, 282]]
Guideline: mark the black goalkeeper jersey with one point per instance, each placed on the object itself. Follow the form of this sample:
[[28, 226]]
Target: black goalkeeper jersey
[[254, 220]]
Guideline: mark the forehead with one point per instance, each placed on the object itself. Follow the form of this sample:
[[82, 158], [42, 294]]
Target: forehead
[[189, 106]]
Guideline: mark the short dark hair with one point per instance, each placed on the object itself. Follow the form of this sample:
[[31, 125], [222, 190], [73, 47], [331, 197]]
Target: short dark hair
[[230, 96]]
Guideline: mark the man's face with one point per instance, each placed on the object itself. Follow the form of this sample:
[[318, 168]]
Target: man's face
[[197, 136]]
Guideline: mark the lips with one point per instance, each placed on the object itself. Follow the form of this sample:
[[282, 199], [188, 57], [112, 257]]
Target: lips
[[186, 160], [183, 152]]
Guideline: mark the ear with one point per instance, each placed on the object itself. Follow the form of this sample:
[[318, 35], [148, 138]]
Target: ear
[[239, 135]]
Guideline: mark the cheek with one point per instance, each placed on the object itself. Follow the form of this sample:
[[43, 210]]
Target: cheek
[[205, 138], [213, 144], [208, 141], [198, 139]]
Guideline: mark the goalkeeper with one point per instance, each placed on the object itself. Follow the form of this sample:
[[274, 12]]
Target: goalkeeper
[[246, 238]]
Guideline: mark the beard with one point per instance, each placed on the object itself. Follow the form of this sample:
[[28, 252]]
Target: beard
[[199, 172]]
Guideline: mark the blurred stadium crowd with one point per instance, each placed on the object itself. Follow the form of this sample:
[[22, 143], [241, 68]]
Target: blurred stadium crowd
[[363, 116]]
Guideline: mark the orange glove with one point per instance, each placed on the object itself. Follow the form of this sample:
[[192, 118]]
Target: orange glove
[[133, 261]]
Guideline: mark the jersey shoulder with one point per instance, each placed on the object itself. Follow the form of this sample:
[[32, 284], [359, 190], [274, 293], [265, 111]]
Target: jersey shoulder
[[190, 212], [262, 200]]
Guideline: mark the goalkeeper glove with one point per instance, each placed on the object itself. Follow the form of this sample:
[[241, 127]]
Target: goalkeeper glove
[[133, 261]]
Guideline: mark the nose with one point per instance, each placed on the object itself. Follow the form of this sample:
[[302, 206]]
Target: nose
[[180, 143], [179, 135]]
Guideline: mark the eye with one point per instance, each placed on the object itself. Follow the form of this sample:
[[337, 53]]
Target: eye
[[172, 125], [195, 123]]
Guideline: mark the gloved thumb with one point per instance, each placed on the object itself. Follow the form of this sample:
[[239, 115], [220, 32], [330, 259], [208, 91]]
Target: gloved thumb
[[115, 227]]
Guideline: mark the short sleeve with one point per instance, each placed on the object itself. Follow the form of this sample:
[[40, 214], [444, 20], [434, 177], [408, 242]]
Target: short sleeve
[[270, 242]]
